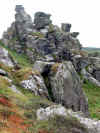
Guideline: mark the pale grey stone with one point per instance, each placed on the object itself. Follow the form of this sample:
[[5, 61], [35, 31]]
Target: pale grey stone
[[5, 57]]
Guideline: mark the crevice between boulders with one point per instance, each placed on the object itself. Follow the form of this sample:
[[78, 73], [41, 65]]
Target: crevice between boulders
[[45, 75]]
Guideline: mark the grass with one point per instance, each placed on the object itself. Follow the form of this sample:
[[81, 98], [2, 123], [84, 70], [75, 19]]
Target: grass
[[93, 94], [38, 34], [26, 104], [59, 124], [22, 59], [54, 67]]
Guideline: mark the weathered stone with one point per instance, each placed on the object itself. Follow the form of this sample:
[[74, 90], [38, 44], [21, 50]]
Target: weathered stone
[[42, 37], [35, 83], [23, 23], [90, 78], [21, 15], [92, 126], [14, 89], [45, 114], [66, 27], [41, 20], [80, 62], [75, 34], [43, 47], [41, 65], [3, 73], [96, 74], [66, 87], [95, 64], [19, 8], [5, 57]]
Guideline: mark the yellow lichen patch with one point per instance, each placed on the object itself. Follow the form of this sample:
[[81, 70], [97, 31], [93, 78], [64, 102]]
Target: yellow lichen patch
[[55, 67], [22, 74], [75, 52], [80, 52], [84, 53], [38, 34], [6, 68], [35, 72], [4, 83]]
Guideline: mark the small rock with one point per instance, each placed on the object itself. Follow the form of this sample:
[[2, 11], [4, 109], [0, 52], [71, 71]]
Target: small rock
[[35, 83], [5, 57], [66, 27], [2, 72], [45, 114]]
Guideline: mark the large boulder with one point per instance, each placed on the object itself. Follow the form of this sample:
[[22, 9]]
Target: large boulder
[[66, 27], [23, 22], [66, 87], [41, 20], [63, 84], [51, 111]]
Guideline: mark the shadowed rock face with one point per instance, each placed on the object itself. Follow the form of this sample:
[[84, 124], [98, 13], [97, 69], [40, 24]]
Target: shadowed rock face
[[66, 87], [66, 27], [63, 84]]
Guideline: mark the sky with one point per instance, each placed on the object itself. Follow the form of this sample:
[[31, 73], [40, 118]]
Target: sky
[[84, 15]]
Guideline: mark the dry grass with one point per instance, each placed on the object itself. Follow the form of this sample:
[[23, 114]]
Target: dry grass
[[54, 67]]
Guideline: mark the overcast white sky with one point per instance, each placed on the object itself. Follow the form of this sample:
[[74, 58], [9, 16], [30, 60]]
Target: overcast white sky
[[84, 15]]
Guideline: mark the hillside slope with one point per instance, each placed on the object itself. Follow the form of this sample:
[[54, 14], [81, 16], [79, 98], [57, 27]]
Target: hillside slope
[[48, 84]]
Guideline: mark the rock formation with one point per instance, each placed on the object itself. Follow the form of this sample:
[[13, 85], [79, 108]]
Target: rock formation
[[59, 66], [41, 40]]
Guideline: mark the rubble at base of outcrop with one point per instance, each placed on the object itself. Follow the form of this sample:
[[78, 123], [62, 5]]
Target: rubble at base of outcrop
[[93, 126]]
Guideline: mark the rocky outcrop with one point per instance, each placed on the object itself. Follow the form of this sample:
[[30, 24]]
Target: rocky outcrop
[[56, 53], [56, 72], [93, 126], [64, 84], [39, 38], [41, 20]]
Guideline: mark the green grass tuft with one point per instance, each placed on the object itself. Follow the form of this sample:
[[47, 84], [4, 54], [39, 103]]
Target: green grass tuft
[[93, 94]]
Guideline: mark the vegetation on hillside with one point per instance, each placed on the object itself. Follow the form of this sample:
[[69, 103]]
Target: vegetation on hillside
[[93, 94], [19, 109]]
